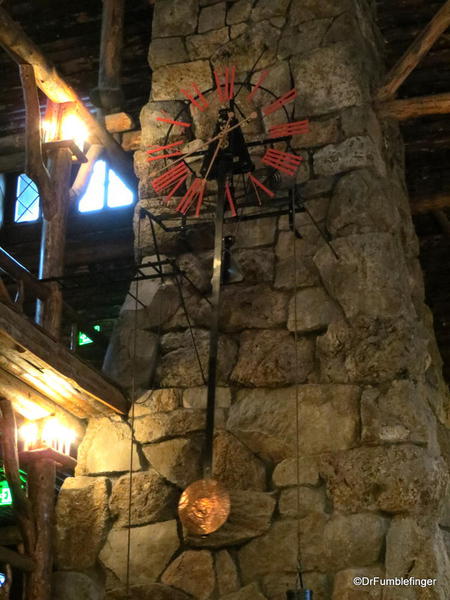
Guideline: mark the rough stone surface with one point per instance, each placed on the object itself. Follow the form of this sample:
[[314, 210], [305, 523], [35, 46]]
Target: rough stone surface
[[239, 12], [250, 516], [258, 307], [401, 414], [211, 17], [68, 585], [235, 466], [310, 10], [193, 573], [285, 473], [177, 460], [154, 132], [345, 589], [264, 419], [328, 79], [363, 280], [152, 547], [169, 79], [300, 39], [152, 499], [175, 17], [78, 541], [153, 591], [255, 233], [393, 479], [361, 203], [310, 500], [249, 592], [355, 153], [179, 366], [206, 44], [256, 264], [158, 426], [268, 358], [311, 310], [197, 397], [265, 9], [275, 551], [320, 132], [165, 51], [106, 448], [226, 573], [156, 401]]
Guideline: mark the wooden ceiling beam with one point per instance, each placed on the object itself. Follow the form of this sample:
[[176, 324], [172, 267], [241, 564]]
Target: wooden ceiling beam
[[425, 204], [412, 108], [414, 54], [23, 50]]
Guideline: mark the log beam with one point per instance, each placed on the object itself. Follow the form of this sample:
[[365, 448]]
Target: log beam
[[412, 108], [427, 204], [22, 49], [414, 54], [110, 65], [16, 560]]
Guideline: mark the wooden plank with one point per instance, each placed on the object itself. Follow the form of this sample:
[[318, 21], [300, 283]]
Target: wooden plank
[[12, 163], [131, 140], [412, 108], [93, 392], [22, 49], [118, 122], [427, 204], [410, 59], [110, 63]]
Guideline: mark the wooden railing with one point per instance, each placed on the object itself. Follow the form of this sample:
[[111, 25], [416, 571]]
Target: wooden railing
[[44, 294]]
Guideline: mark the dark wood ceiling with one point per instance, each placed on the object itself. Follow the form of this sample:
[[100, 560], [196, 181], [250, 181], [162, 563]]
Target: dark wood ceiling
[[427, 147]]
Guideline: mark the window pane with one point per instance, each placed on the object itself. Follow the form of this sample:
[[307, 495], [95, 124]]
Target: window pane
[[118, 193], [27, 200], [94, 196]]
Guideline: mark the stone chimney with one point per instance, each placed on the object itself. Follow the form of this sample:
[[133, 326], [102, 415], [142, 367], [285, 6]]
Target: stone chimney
[[373, 413]]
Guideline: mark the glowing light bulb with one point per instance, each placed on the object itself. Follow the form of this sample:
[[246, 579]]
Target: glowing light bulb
[[73, 128], [29, 433], [57, 436]]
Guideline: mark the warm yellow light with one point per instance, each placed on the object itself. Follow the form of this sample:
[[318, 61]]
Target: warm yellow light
[[49, 130], [48, 433], [73, 128], [29, 409], [29, 434]]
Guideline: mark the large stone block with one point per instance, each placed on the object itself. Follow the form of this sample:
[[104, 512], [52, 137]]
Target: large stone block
[[362, 203], [400, 414], [394, 479], [235, 466], [226, 573], [320, 132], [355, 153], [69, 585], [252, 234], [373, 351], [415, 548], [303, 38], [328, 79], [152, 547], [177, 460], [239, 12], [211, 17], [266, 9], [250, 516], [152, 499], [156, 401], [154, 131], [369, 278], [168, 80], [166, 51], [197, 397], [275, 551], [255, 264], [175, 17], [309, 500], [158, 426], [179, 365], [286, 472], [309, 10], [193, 573], [268, 358], [257, 306], [311, 310], [264, 419], [106, 448], [206, 44], [81, 522], [153, 591], [249, 592]]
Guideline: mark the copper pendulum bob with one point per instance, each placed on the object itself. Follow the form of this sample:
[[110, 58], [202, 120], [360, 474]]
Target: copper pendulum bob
[[299, 595]]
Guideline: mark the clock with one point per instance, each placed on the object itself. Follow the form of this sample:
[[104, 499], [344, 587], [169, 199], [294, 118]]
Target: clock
[[240, 158]]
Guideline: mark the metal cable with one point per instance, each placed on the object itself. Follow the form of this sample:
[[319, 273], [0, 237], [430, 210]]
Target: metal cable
[[297, 396]]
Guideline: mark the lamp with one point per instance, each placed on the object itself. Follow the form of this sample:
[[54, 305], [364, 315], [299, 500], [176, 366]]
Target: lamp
[[47, 438], [301, 594], [62, 126]]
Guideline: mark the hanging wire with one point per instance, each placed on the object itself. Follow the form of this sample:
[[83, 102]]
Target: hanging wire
[[133, 399], [297, 400]]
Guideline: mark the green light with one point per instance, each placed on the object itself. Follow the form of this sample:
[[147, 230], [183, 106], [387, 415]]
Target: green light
[[83, 339], [5, 492]]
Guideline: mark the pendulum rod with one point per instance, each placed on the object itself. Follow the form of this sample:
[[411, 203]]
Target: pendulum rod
[[214, 328]]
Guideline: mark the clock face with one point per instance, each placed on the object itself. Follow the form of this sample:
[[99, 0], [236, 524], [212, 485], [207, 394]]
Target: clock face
[[246, 134]]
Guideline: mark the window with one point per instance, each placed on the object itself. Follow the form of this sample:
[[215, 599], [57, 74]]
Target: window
[[27, 200], [105, 190]]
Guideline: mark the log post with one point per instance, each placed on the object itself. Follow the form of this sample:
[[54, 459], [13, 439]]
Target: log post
[[53, 241], [41, 491], [109, 88]]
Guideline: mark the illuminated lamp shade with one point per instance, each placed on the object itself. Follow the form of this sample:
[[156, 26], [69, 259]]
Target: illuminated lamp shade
[[47, 433], [62, 123], [74, 128]]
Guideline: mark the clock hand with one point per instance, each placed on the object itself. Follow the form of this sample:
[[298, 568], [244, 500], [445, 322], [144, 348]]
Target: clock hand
[[216, 151], [208, 142]]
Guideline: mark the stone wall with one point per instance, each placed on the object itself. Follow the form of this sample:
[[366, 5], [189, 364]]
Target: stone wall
[[373, 412]]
